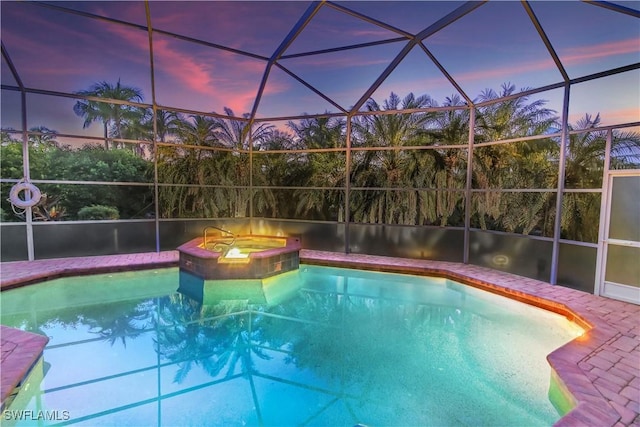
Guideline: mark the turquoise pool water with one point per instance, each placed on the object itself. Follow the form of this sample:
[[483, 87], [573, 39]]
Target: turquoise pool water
[[324, 346]]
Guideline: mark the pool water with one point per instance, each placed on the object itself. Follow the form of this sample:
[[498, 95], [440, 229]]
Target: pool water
[[337, 348]]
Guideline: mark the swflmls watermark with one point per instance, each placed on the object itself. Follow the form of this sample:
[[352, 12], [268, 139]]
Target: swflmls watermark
[[31, 415]]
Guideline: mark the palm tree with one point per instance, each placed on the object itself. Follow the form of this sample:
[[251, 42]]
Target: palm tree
[[216, 337], [502, 166], [389, 168], [326, 168], [114, 116], [513, 118], [166, 124], [277, 170], [584, 169], [42, 136], [443, 168], [191, 170], [118, 321], [237, 135], [586, 152]]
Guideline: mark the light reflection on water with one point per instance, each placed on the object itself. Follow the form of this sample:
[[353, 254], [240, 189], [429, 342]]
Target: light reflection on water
[[346, 347]]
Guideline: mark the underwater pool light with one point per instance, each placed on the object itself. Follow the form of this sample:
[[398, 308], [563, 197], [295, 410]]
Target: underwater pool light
[[235, 253]]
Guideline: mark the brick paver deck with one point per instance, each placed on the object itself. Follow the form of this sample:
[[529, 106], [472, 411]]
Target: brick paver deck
[[601, 369], [20, 351]]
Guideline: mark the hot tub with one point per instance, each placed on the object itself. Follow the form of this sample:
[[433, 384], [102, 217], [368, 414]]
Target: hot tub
[[239, 257]]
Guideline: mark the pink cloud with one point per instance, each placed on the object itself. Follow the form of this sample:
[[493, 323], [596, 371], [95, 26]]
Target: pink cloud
[[577, 55], [611, 116], [217, 78], [222, 78], [510, 71], [580, 54]]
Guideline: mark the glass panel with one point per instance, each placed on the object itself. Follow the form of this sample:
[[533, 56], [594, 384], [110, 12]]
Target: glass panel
[[344, 76], [203, 202], [62, 240], [516, 212], [577, 267], [11, 110], [200, 78], [331, 28], [516, 117], [410, 16], [39, 38], [407, 242], [416, 74], [49, 160], [515, 254], [622, 265], [625, 210], [517, 165], [512, 51], [70, 202], [593, 39], [605, 101], [442, 208], [302, 204], [13, 242], [255, 27], [580, 216]]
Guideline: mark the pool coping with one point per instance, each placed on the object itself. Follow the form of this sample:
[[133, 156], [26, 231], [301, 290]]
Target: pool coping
[[600, 369]]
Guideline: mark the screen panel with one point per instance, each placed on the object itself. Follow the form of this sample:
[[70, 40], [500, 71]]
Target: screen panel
[[520, 255]]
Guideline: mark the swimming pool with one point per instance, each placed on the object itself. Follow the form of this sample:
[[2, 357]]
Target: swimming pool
[[339, 347]]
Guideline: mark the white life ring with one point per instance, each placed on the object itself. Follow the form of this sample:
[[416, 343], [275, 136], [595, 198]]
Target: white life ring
[[32, 195]]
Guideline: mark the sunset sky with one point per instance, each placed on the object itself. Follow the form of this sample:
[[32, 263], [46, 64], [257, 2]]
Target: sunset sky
[[494, 44]]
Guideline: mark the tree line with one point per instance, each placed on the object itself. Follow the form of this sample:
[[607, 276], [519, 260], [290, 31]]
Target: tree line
[[405, 168]]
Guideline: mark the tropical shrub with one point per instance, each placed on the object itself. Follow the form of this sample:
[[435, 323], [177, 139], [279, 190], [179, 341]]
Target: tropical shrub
[[98, 212]]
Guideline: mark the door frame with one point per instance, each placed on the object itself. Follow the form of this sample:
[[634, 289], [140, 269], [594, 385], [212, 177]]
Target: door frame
[[608, 289]]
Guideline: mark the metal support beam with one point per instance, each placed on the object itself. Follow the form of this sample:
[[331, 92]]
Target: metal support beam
[[436, 26], [604, 216], [295, 31], [25, 148], [545, 39], [467, 190], [154, 106], [564, 142], [347, 190]]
